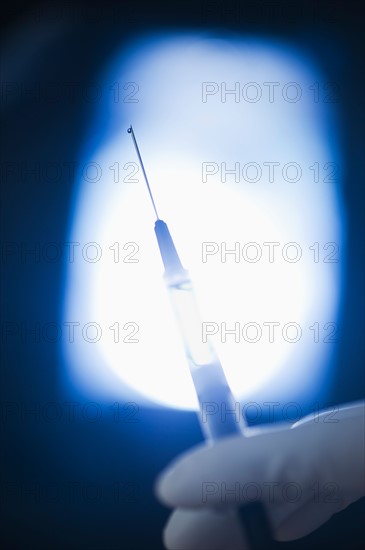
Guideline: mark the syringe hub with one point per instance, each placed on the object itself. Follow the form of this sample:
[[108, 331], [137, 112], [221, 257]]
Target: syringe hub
[[174, 270]]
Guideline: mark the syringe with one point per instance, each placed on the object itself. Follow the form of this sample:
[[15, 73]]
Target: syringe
[[217, 415], [210, 382]]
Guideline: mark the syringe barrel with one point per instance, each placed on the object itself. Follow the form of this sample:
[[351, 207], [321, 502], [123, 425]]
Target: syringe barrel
[[219, 415]]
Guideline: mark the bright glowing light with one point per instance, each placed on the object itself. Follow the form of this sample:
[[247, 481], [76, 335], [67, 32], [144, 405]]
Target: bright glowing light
[[184, 138]]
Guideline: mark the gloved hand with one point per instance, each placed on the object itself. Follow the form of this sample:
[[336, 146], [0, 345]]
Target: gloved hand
[[303, 474]]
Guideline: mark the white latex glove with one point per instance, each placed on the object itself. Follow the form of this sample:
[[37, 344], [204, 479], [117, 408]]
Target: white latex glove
[[302, 474]]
